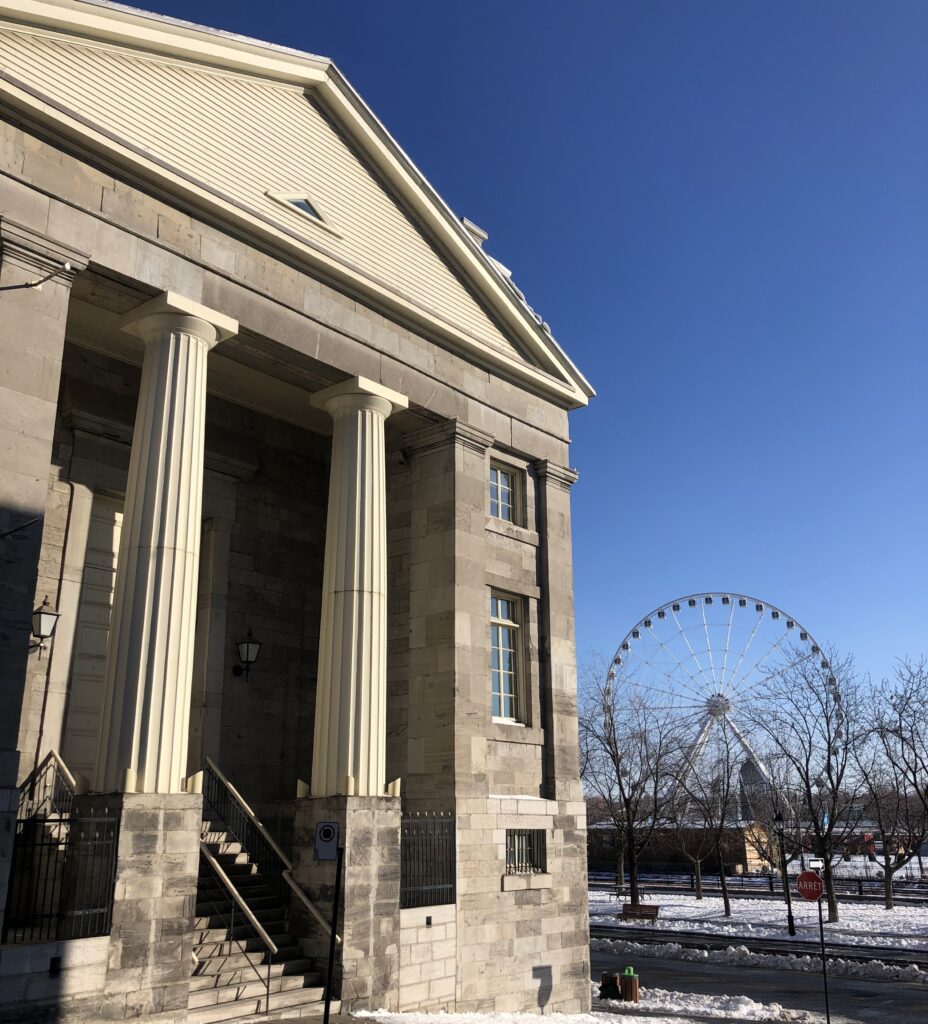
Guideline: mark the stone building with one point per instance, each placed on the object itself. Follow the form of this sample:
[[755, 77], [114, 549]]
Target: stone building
[[271, 389]]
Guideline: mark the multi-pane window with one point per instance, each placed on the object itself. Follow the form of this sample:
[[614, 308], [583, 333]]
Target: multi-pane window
[[504, 656], [525, 851], [504, 494]]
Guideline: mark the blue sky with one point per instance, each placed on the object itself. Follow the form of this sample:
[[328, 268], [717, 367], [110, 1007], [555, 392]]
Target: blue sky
[[722, 210]]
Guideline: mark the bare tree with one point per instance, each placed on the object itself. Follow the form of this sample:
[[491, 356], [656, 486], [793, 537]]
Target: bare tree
[[706, 791], [688, 837], [894, 768], [627, 747], [809, 715], [902, 723]]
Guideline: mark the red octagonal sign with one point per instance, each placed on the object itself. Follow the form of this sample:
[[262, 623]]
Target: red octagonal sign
[[810, 886]]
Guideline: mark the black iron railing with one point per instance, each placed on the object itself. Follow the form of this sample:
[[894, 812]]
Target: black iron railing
[[427, 860], [223, 803], [525, 851], [225, 904], [49, 789], [62, 876]]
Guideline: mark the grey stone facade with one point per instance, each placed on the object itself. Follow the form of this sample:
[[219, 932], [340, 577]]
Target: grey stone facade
[[68, 397]]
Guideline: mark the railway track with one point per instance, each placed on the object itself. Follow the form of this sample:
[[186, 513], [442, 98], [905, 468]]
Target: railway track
[[777, 947]]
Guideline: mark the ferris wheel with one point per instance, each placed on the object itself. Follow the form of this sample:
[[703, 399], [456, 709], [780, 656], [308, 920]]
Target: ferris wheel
[[703, 659]]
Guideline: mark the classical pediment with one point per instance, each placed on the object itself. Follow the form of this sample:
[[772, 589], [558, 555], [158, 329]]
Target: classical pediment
[[280, 146]]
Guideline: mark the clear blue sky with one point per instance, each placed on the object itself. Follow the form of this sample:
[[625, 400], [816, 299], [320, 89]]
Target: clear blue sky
[[722, 210]]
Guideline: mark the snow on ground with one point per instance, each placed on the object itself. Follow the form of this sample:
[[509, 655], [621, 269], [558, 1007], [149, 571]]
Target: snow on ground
[[739, 1008], [904, 927], [741, 955], [668, 1007]]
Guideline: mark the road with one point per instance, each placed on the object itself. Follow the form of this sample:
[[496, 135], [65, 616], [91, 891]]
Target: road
[[853, 1001]]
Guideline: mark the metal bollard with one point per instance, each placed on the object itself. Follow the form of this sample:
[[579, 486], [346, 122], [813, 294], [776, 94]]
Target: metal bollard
[[628, 982]]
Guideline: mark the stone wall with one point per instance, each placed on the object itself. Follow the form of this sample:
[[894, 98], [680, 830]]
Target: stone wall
[[142, 968], [428, 958], [368, 958]]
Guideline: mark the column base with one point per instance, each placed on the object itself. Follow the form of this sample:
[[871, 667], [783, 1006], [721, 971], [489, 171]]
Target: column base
[[367, 960], [151, 942]]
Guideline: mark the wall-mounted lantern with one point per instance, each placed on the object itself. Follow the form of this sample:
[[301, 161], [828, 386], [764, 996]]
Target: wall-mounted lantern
[[44, 620], [248, 650]]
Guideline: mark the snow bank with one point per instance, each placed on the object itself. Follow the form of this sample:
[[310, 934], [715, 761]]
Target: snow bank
[[874, 969], [904, 927], [740, 1008]]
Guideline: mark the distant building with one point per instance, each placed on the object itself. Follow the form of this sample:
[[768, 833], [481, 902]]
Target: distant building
[[287, 453]]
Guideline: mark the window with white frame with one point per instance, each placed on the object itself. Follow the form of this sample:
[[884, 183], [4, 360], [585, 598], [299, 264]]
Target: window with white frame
[[505, 493], [505, 662]]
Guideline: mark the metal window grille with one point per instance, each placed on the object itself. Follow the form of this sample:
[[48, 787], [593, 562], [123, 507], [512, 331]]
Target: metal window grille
[[525, 851], [427, 860]]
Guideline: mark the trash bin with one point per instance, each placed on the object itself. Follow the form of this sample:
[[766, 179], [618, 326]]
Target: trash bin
[[628, 982], [609, 986]]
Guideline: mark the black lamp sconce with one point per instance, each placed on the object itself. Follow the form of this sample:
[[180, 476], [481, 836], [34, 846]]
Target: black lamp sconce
[[248, 650], [44, 620]]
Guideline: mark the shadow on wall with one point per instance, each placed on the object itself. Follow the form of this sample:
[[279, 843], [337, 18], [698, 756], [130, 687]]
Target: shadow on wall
[[543, 974]]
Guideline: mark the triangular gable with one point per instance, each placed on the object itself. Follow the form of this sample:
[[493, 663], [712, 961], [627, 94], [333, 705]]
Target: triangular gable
[[254, 142]]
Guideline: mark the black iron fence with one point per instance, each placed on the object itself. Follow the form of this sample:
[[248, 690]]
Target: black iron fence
[[427, 860], [61, 878]]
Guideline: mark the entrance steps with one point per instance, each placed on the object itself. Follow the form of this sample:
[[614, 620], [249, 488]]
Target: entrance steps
[[230, 979]]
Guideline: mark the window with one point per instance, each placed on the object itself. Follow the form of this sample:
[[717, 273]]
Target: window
[[504, 656], [306, 207], [525, 851], [505, 494]]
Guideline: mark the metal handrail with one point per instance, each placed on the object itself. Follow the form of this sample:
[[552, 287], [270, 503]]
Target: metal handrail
[[258, 824], [287, 872], [310, 906], [236, 895], [237, 901], [35, 779]]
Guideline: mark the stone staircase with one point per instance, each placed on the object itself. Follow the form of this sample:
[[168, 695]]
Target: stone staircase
[[229, 979]]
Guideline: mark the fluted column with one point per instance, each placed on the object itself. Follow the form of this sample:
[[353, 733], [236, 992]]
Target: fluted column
[[349, 745], [143, 741]]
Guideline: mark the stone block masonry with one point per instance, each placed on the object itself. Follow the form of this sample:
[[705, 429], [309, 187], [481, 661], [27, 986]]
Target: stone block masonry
[[367, 960], [142, 969]]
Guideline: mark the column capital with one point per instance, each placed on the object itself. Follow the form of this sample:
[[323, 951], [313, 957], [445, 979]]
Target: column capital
[[560, 476], [361, 388], [36, 253], [449, 432], [172, 311]]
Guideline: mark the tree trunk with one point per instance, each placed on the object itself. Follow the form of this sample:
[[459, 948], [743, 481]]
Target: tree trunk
[[697, 865], [726, 900], [888, 872], [634, 894], [830, 895], [620, 872]]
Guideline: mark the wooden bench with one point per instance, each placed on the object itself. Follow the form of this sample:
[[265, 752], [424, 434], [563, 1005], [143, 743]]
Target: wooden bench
[[640, 912]]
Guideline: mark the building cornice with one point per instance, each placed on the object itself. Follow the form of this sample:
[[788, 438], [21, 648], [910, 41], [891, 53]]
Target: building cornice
[[560, 476], [37, 253], [444, 435]]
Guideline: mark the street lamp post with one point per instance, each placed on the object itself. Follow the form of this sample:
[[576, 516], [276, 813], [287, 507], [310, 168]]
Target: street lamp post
[[790, 922]]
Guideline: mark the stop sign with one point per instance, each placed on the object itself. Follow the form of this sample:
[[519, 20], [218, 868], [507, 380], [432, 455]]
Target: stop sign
[[810, 886]]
